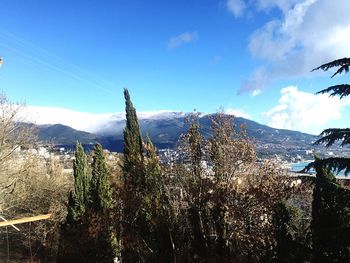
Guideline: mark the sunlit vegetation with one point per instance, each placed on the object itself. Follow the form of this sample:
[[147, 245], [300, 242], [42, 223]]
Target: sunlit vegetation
[[214, 204]]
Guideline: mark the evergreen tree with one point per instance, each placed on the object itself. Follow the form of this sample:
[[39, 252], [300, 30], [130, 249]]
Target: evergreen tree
[[293, 242], [152, 165], [330, 218], [78, 198], [145, 234], [330, 207], [91, 238], [100, 191], [330, 136], [134, 227], [153, 175], [156, 207], [102, 241], [72, 243], [133, 166]]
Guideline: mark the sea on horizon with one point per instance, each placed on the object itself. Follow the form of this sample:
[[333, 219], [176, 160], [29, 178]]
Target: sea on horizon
[[296, 167]]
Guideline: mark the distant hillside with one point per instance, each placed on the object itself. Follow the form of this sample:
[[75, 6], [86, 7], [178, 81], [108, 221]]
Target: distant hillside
[[165, 133], [64, 135], [266, 134]]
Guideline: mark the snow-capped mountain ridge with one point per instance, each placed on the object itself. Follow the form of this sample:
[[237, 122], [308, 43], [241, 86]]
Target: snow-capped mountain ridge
[[85, 121]]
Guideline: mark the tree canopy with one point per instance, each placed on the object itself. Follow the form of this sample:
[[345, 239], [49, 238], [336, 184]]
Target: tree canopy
[[334, 135]]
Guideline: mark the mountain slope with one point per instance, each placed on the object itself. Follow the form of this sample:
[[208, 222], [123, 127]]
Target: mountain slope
[[64, 135], [166, 132]]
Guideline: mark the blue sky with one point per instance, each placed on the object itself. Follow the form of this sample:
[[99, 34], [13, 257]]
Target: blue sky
[[250, 57]]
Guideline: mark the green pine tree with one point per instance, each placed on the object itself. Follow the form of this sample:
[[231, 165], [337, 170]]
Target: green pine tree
[[330, 218], [78, 198]]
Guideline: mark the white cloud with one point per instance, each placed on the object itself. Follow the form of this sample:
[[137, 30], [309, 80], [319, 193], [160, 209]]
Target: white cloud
[[256, 92], [238, 113], [304, 111], [183, 38], [236, 7], [284, 5], [308, 33], [85, 121]]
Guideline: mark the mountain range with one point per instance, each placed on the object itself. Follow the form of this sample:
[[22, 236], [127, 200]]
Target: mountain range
[[166, 130]]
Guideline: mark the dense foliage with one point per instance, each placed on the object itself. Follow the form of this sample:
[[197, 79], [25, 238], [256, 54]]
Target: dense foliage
[[215, 204], [292, 234], [330, 218], [88, 234]]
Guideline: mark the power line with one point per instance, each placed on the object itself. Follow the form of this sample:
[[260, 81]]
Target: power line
[[35, 59]]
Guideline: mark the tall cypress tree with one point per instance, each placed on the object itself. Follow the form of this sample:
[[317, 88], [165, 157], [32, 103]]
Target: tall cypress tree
[[100, 191], [72, 232], [152, 168], [133, 153], [134, 222], [79, 196], [155, 203], [102, 243], [92, 238]]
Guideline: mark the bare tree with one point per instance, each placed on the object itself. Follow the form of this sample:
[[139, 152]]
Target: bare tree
[[41, 187], [29, 184], [223, 200], [15, 135]]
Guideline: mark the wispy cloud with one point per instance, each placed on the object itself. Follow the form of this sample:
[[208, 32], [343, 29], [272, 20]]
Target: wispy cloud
[[182, 39], [256, 92], [236, 7], [306, 34]]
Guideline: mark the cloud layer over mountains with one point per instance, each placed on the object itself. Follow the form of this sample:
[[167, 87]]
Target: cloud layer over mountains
[[85, 121], [98, 122]]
